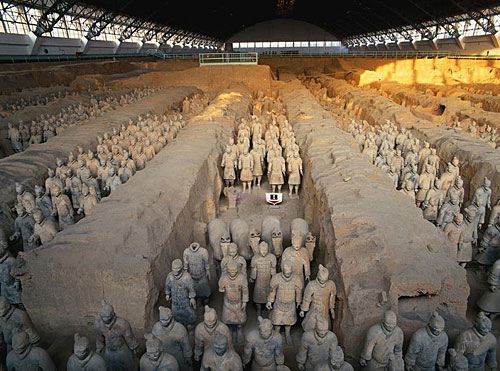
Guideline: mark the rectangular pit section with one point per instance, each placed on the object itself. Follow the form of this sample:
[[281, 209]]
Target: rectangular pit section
[[373, 238], [123, 251]]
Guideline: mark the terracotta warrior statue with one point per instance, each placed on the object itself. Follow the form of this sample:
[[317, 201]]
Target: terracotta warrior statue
[[478, 345], [484, 193], [12, 318], [229, 165], [197, 264], [156, 358], [88, 201], [284, 299], [263, 347], [246, 165], [295, 172], [298, 257], [490, 300], [206, 331], [335, 361], [27, 357], [43, 202], [319, 300], [489, 245], [23, 228], [380, 342], [458, 362], [221, 356], [44, 229], [232, 255], [63, 208], [262, 268], [455, 232], [234, 285], [275, 173], [258, 166], [179, 288], [174, 338], [464, 254], [114, 334], [315, 345], [84, 358], [25, 198], [428, 346]]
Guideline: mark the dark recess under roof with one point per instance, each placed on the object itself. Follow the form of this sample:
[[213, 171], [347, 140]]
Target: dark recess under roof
[[221, 19]]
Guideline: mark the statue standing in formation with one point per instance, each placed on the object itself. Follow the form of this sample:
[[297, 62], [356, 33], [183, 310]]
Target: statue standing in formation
[[335, 361], [155, 357], [428, 346], [319, 300], [221, 357], [262, 268], [114, 334], [263, 347], [206, 332], [234, 285], [27, 357], [380, 342], [315, 344], [197, 264], [84, 358], [284, 299], [174, 338], [179, 288]]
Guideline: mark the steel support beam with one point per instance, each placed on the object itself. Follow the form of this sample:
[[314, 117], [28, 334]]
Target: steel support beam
[[47, 23]]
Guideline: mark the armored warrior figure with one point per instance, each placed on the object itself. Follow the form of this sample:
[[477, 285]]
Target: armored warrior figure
[[458, 362], [43, 202], [84, 358], [262, 268], [174, 338], [490, 300], [428, 346], [448, 178], [179, 287], [113, 181], [44, 229], [457, 190], [432, 202], [284, 298], [447, 213], [455, 232], [264, 347], [319, 300], [258, 166], [299, 258], [12, 318], [51, 182], [464, 254], [478, 345], [380, 342], [88, 201], [221, 357], [27, 357], [74, 187], [232, 255], [11, 288], [295, 172], [197, 264], [206, 331], [156, 358], [335, 361], [115, 334], [235, 288], [246, 165], [275, 173], [23, 228], [489, 245], [63, 208], [484, 193], [229, 165], [315, 344], [25, 198]]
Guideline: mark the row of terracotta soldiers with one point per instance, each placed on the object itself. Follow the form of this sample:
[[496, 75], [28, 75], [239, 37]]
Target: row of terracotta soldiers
[[485, 133], [76, 186], [274, 147], [14, 104], [48, 126]]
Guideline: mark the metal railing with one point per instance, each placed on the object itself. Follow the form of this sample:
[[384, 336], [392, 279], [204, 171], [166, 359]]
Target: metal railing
[[210, 59], [64, 58]]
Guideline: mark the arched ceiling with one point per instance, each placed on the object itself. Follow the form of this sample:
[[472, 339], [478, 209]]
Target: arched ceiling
[[223, 18]]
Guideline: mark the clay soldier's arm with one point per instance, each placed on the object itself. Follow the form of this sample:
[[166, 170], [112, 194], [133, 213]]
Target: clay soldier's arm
[[199, 347], [244, 294], [253, 272], [302, 354], [223, 163], [168, 291], [129, 337], [273, 264], [185, 344], [247, 353], [301, 169], [298, 292], [45, 363], [366, 353], [441, 358], [306, 301], [494, 275], [279, 357], [491, 358], [185, 259], [412, 353], [272, 295], [17, 231], [206, 263], [99, 339]]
